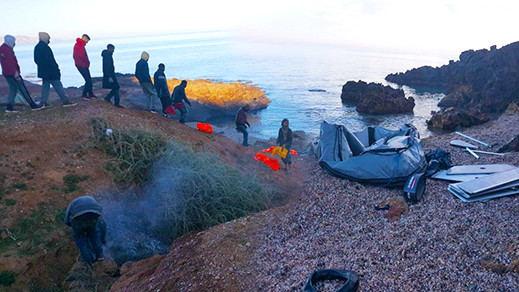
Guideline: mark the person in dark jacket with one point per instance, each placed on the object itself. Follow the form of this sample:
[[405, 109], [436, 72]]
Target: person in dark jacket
[[83, 215], [242, 123], [82, 64], [161, 86], [285, 140], [142, 72], [48, 71], [179, 97], [11, 72], [109, 80]]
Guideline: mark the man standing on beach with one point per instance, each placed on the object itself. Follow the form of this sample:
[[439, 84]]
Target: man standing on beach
[[161, 86], [109, 80], [242, 123], [11, 72], [142, 72], [82, 65], [48, 71], [179, 96]]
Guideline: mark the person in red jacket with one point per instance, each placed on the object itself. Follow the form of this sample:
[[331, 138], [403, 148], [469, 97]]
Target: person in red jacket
[[82, 65], [11, 72]]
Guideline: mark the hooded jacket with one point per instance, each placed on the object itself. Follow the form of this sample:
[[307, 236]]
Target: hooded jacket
[[80, 206], [8, 61], [80, 55], [109, 70], [142, 71], [48, 69]]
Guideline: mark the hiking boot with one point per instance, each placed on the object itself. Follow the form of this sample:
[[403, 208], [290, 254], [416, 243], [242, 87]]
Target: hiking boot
[[118, 106], [85, 97], [92, 96], [69, 104], [38, 107], [107, 100]]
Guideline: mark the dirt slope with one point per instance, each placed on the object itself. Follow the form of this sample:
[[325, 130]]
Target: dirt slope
[[39, 149]]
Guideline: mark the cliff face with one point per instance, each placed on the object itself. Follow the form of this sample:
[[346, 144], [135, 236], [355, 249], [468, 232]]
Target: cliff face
[[482, 80]]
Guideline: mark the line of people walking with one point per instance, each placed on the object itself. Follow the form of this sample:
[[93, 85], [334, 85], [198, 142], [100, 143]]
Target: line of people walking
[[49, 72]]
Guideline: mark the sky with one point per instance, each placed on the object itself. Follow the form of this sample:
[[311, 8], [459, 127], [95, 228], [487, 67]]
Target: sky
[[430, 25]]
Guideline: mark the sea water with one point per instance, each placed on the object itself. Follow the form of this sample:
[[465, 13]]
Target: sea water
[[304, 81]]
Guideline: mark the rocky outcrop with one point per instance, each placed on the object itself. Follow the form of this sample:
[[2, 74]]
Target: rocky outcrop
[[451, 118], [485, 81], [132, 97], [375, 98]]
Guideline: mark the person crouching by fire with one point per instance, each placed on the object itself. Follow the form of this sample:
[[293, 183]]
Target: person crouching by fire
[[84, 216]]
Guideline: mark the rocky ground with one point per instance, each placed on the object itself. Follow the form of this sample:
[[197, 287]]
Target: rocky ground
[[480, 83], [439, 244]]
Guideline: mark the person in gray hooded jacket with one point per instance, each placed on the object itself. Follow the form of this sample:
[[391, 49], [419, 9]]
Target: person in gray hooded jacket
[[83, 215]]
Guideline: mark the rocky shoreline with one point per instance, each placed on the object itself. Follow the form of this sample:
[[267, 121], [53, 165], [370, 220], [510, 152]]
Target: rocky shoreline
[[481, 82]]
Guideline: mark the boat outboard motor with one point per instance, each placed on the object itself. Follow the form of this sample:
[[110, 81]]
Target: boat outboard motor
[[414, 188]]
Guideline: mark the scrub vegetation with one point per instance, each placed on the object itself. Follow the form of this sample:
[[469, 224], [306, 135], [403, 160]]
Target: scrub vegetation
[[191, 190]]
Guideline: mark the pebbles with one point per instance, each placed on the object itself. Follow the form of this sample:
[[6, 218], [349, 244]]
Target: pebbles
[[439, 245]]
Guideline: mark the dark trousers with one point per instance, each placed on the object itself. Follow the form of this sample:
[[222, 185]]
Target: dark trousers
[[87, 235], [87, 89], [115, 94], [243, 129]]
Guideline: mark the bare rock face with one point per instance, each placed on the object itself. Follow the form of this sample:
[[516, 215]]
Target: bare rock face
[[484, 81], [451, 118], [375, 98]]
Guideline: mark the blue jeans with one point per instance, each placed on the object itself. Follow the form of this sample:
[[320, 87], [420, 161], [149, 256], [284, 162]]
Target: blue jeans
[[243, 129], [56, 84], [87, 235], [13, 89]]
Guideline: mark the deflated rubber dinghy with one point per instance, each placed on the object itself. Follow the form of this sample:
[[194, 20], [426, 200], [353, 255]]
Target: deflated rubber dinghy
[[375, 155]]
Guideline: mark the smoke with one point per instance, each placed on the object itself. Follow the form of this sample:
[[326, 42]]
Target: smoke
[[130, 219], [186, 191], [136, 217]]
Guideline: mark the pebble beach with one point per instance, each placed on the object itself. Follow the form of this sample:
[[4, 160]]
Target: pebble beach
[[440, 244]]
